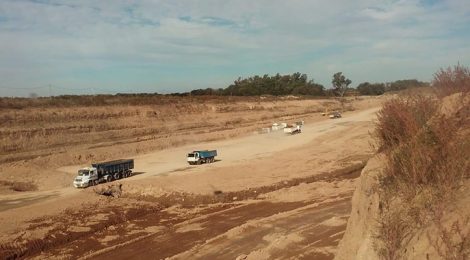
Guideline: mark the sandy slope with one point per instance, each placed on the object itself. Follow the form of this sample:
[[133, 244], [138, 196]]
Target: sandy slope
[[280, 187]]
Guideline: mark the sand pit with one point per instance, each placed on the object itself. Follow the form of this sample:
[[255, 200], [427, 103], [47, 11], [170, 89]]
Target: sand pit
[[266, 193]]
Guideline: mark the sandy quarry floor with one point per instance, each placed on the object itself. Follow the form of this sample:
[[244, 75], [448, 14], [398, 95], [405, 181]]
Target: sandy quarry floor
[[269, 196]]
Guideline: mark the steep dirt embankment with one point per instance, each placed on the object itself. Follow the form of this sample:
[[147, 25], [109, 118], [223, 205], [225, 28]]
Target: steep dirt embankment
[[426, 242], [412, 200], [358, 240]]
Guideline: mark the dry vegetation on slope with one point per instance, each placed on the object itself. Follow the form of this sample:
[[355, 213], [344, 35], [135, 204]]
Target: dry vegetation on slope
[[417, 188], [427, 163]]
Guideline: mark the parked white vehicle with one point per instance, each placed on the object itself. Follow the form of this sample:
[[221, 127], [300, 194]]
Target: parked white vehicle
[[297, 129]]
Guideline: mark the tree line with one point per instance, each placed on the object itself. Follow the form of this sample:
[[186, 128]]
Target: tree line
[[373, 89], [277, 85], [299, 84]]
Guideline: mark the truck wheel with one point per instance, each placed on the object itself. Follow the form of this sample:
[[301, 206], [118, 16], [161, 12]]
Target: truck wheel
[[90, 183], [95, 182], [108, 178]]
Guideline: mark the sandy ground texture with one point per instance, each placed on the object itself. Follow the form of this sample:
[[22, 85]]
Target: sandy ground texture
[[36, 142], [268, 196]]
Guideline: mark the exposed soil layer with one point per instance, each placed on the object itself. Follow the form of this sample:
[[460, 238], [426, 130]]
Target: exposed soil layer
[[149, 227], [35, 141], [268, 196]]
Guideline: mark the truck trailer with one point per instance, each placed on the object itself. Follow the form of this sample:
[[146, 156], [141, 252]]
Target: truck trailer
[[103, 172], [199, 157]]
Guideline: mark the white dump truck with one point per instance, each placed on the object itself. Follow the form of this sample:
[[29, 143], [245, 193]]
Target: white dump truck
[[202, 156], [103, 172]]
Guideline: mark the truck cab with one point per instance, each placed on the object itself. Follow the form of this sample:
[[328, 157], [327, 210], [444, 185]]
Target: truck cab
[[201, 156], [193, 158], [87, 176]]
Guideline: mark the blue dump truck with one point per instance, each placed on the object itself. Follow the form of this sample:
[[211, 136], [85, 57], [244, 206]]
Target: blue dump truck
[[199, 157], [103, 172]]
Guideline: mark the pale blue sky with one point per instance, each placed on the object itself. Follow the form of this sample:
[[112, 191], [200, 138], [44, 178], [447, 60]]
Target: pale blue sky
[[91, 46]]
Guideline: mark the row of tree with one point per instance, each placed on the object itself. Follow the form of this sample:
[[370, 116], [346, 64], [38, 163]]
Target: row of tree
[[277, 85], [372, 89], [299, 84]]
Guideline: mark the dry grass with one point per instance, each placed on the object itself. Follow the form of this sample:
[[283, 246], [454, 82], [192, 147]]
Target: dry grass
[[452, 80], [452, 242], [401, 118], [394, 232], [427, 161], [435, 156], [117, 100]]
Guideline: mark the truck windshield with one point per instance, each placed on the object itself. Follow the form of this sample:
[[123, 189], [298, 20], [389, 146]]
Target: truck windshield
[[83, 172], [190, 155]]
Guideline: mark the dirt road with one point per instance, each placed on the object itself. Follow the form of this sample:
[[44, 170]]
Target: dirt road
[[269, 196], [234, 152], [231, 153]]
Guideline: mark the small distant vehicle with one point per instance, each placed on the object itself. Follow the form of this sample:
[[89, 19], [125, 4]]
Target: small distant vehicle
[[103, 172], [297, 129], [335, 115], [202, 156]]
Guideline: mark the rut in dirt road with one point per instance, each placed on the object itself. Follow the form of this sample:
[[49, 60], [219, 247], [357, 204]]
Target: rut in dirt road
[[212, 233], [192, 200]]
